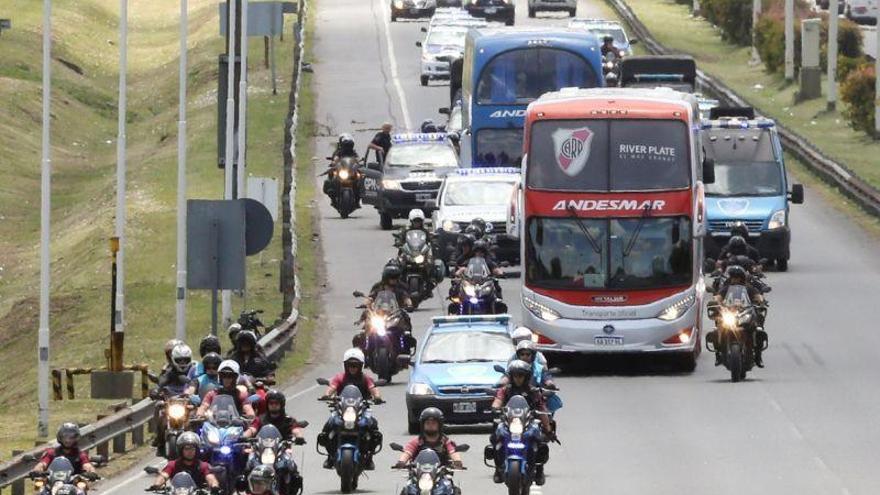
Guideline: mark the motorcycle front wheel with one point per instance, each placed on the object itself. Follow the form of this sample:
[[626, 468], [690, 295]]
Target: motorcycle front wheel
[[514, 480], [735, 362], [346, 469], [382, 363], [346, 202]]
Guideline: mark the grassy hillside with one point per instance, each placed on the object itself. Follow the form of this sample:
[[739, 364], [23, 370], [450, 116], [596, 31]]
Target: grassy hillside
[[85, 56]]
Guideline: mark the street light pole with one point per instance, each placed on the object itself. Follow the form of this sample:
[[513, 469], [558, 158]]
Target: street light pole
[[242, 102], [832, 55], [180, 332], [120, 172], [789, 40], [756, 17], [45, 210], [877, 83], [226, 295]]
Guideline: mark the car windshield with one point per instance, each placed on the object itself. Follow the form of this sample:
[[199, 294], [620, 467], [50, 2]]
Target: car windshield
[[521, 75], [499, 147], [422, 154], [745, 163], [447, 37], [477, 193], [620, 253], [468, 346], [609, 155], [616, 33], [386, 302], [223, 410]]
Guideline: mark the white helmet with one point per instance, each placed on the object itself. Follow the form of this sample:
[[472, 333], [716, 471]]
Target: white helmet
[[416, 214], [181, 357], [229, 366], [353, 354], [520, 334]]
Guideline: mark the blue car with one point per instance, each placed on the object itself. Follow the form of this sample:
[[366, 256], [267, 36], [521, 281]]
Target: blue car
[[453, 368], [751, 185]]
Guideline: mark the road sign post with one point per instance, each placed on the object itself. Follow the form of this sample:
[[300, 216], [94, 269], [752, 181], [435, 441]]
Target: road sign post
[[121, 165], [789, 40], [180, 328], [832, 55], [45, 210]]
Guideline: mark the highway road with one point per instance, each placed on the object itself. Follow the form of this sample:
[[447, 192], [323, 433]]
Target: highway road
[[804, 425]]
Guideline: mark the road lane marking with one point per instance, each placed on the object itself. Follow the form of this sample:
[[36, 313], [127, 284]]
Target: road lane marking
[[392, 62], [142, 475]]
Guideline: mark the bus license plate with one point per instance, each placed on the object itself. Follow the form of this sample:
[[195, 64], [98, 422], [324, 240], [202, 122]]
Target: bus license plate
[[603, 340], [464, 407], [491, 10]]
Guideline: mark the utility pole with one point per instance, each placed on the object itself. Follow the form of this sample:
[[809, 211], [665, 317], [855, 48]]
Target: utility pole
[[832, 55], [119, 333], [789, 40], [696, 8], [756, 16], [877, 83], [45, 210], [242, 103], [232, 32], [180, 332]]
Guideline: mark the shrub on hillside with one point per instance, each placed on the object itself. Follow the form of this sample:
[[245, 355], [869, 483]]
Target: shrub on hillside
[[858, 92], [845, 65], [770, 41], [734, 17]]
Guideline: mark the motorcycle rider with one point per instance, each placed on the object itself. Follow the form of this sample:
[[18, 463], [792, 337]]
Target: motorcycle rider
[[737, 275], [232, 332], [431, 420], [738, 246], [608, 47], [169, 346], [68, 446], [188, 444], [208, 344], [520, 334], [208, 380], [480, 250], [344, 149], [428, 126], [250, 358], [527, 352], [520, 374], [353, 374], [260, 480], [277, 416], [390, 281], [173, 381], [416, 222], [229, 373]]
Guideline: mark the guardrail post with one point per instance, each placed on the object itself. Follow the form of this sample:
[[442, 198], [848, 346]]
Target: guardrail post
[[103, 449], [137, 436], [57, 393], [17, 486], [119, 444], [70, 389]]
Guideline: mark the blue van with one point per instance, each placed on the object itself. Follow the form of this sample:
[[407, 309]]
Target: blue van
[[751, 184]]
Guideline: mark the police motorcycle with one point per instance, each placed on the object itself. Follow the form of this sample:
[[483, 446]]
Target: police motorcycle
[[427, 475], [477, 292], [421, 272], [388, 339], [350, 418], [343, 177], [270, 448], [220, 437], [59, 479], [519, 437], [181, 484], [736, 335]]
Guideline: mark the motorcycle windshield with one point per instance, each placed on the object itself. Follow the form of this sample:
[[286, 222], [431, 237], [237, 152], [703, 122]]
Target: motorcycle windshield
[[60, 469], [477, 269], [347, 163], [416, 240], [517, 407], [427, 462], [385, 302], [223, 411], [737, 296], [269, 436], [182, 483], [351, 397]]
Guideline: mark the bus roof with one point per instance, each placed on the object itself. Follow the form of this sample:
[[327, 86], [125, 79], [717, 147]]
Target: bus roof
[[494, 40], [646, 103]]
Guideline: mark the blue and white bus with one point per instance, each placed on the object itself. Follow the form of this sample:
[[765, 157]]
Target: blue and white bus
[[505, 69]]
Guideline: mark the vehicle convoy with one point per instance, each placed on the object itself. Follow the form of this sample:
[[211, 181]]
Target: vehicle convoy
[[503, 70], [612, 209], [751, 184], [409, 177], [453, 369], [472, 193]]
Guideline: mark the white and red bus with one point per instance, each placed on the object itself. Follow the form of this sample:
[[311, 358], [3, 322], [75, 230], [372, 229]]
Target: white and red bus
[[611, 218]]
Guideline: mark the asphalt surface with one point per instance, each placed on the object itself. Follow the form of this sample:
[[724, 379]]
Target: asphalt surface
[[804, 425]]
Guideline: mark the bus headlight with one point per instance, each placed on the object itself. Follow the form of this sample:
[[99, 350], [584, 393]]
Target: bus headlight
[[675, 311], [777, 220], [541, 311]]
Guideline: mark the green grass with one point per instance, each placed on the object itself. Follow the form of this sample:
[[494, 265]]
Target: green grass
[[769, 93], [84, 120]]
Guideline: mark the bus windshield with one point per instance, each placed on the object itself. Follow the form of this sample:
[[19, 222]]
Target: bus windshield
[[499, 147], [609, 155], [616, 253], [517, 77]]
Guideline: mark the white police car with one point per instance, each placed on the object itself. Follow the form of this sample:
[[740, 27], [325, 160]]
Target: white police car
[[442, 44], [476, 193]]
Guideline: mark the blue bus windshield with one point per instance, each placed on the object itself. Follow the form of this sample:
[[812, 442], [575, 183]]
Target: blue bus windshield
[[518, 77]]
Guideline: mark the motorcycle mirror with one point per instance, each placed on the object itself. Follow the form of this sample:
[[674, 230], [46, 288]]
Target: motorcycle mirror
[[396, 447], [323, 381], [419, 44], [462, 447], [767, 289], [361, 306], [444, 110], [797, 194], [357, 293], [153, 470], [302, 424], [499, 368]]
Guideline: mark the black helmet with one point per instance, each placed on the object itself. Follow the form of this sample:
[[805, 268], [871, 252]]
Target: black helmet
[[737, 246], [480, 223], [246, 337], [607, 38], [431, 413], [346, 142], [212, 359], [736, 271], [209, 344], [276, 396], [474, 230], [428, 126], [390, 271], [466, 240], [263, 475], [740, 228], [234, 330], [69, 431], [481, 245], [519, 367], [188, 438]]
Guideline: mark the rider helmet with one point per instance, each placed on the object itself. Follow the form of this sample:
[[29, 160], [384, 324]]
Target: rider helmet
[[208, 344], [526, 346], [181, 358], [481, 245], [519, 367], [68, 431], [346, 143], [188, 439], [233, 332], [737, 246], [428, 126], [736, 272], [276, 396], [431, 413], [211, 360], [416, 214], [170, 345], [229, 368], [353, 355], [520, 334], [390, 272], [246, 337], [260, 479], [740, 228], [467, 240]]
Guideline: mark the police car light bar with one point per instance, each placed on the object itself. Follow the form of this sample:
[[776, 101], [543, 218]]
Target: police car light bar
[[419, 137], [486, 171], [658, 77], [439, 320], [739, 124]]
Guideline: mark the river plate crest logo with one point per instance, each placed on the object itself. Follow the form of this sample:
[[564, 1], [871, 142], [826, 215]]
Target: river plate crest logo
[[572, 148]]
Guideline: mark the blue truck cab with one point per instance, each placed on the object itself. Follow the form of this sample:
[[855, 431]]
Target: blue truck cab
[[751, 184]]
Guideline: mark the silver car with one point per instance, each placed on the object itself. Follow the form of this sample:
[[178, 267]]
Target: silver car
[[441, 45], [569, 6]]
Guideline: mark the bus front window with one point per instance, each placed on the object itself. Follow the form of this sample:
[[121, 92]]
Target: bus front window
[[499, 148], [518, 77]]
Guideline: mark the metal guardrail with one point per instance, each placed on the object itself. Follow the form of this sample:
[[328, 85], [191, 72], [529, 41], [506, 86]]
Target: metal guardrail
[[866, 195]]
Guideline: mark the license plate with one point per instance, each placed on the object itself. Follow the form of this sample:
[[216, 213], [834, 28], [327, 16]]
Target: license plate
[[603, 340], [464, 407], [491, 10], [424, 197]]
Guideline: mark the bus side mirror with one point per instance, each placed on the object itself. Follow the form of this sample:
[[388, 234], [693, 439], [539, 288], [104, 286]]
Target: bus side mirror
[[797, 194], [708, 171], [419, 44]]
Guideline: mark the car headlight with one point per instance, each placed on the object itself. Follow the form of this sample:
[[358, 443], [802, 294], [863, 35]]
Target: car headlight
[[420, 389], [674, 311], [419, 259], [391, 184], [777, 220], [450, 226], [541, 311]]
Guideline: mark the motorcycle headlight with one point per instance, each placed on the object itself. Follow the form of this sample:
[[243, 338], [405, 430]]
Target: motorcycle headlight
[[391, 184], [675, 311], [343, 174], [419, 259], [777, 220], [541, 311], [469, 290], [213, 438], [176, 412], [426, 483], [268, 458], [398, 4], [225, 450], [728, 318], [516, 429], [378, 324], [450, 226], [420, 389], [349, 417]]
